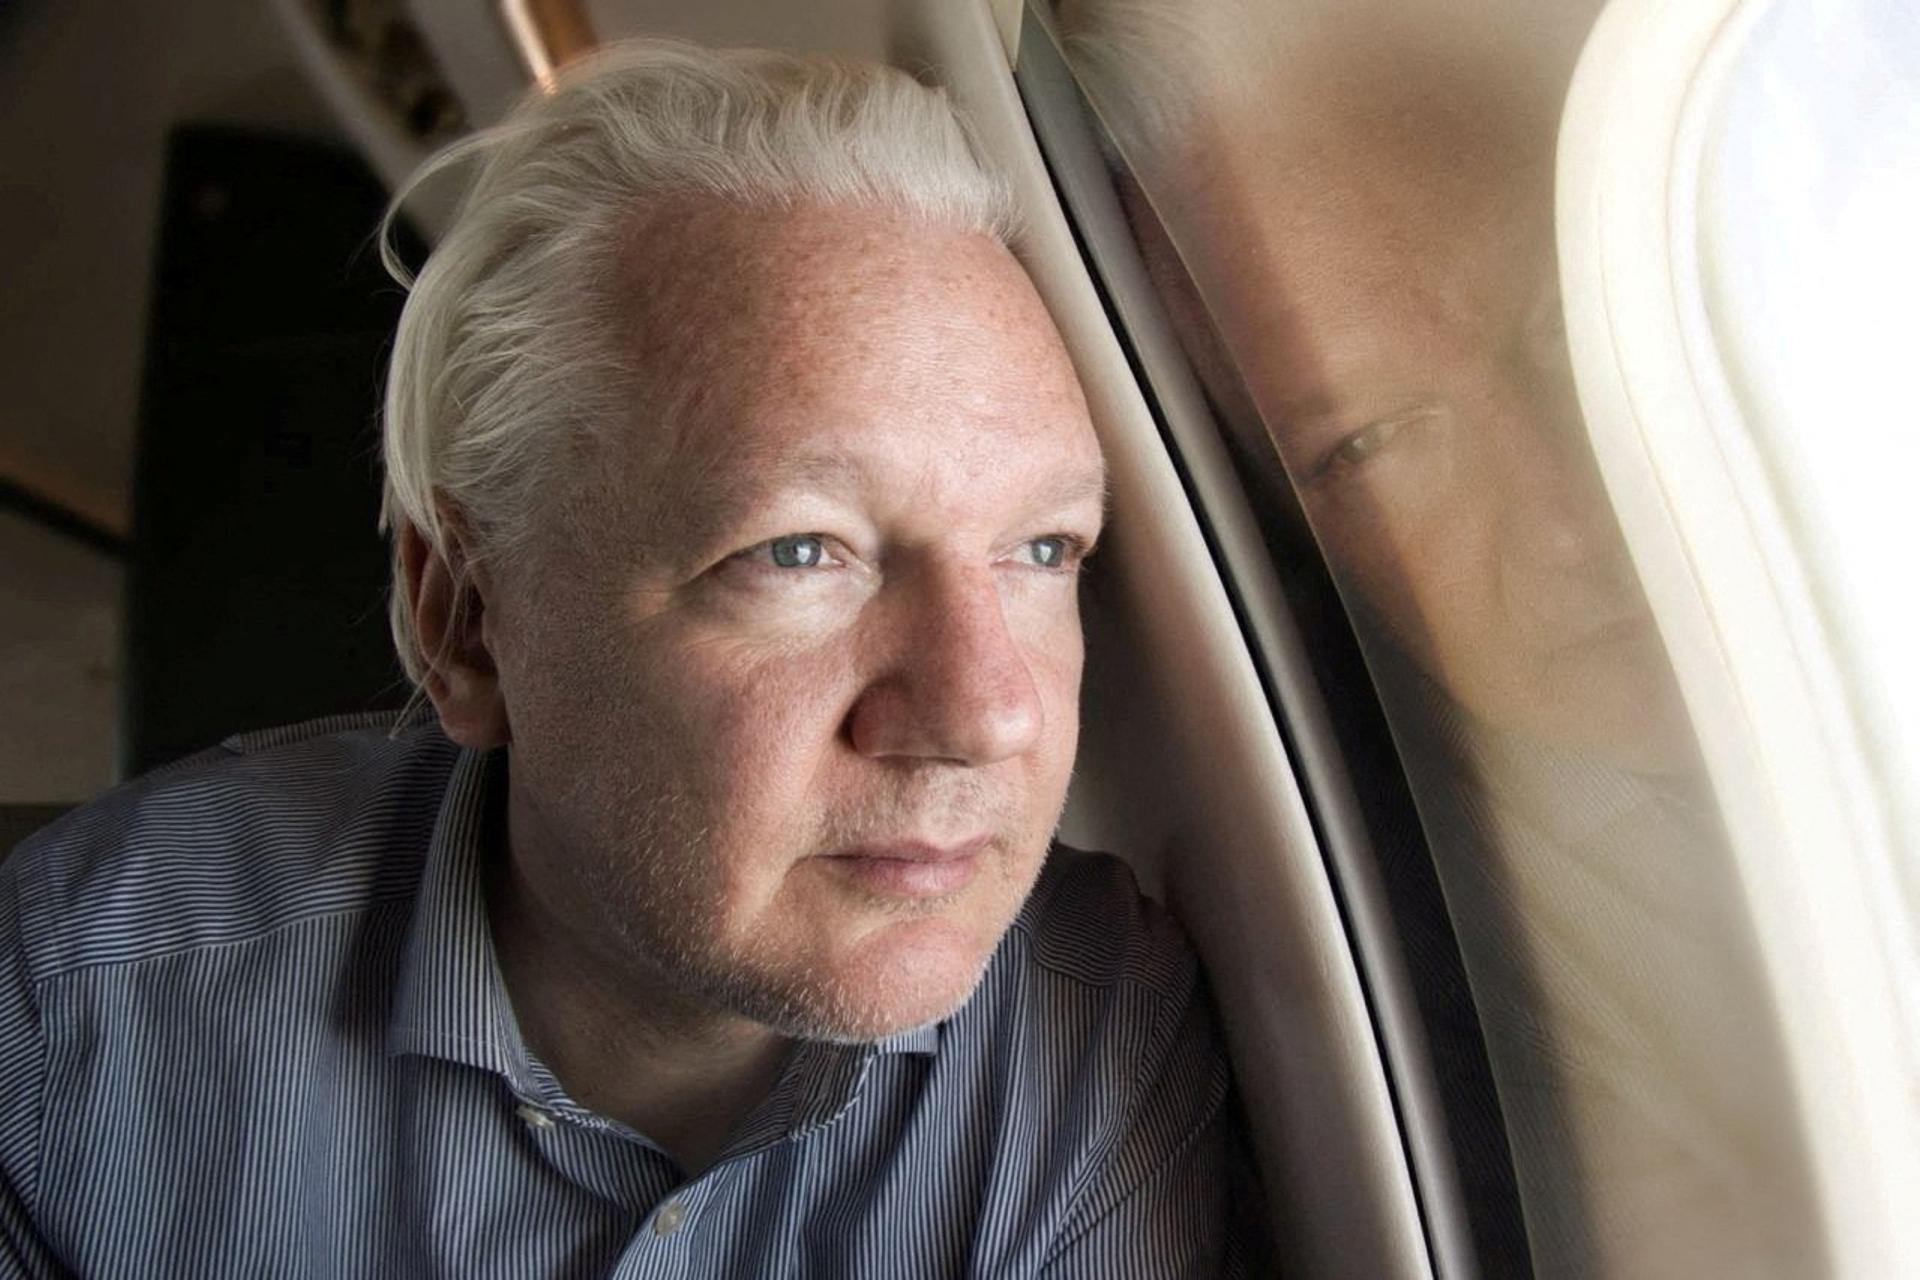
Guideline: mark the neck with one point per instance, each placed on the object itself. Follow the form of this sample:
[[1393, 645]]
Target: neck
[[622, 1039]]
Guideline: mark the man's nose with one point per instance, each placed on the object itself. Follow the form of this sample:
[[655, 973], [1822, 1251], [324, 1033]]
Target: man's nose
[[952, 682], [1556, 505]]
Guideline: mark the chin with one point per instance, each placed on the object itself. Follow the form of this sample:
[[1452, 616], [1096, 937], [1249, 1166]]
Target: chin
[[1627, 710], [912, 975]]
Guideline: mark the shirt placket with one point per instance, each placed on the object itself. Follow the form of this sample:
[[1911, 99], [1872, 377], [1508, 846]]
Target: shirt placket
[[820, 1086], [663, 1246]]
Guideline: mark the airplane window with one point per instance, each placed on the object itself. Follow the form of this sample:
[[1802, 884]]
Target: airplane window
[[1810, 191], [1347, 210]]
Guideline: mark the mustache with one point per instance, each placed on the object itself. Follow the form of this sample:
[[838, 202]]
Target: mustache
[[944, 805]]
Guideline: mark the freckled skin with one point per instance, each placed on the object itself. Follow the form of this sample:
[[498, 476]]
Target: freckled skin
[[692, 728]]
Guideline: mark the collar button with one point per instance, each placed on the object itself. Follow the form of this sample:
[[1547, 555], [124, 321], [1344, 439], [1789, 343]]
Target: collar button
[[672, 1216]]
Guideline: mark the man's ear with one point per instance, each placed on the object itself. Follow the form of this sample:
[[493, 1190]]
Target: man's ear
[[449, 610]]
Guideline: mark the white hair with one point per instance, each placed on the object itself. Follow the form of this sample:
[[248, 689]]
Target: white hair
[[1154, 69], [507, 349]]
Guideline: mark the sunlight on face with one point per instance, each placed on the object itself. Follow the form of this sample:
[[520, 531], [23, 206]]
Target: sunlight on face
[[794, 694]]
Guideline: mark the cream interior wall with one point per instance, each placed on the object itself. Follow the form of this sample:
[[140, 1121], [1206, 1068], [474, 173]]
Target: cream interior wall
[[89, 90]]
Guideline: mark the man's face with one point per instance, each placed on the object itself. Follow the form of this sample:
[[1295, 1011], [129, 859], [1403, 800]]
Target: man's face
[[1390, 302], [793, 688]]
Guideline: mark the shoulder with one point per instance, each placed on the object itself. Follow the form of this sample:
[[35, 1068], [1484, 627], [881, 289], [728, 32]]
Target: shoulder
[[1086, 922], [230, 844], [1092, 974], [1095, 1015]]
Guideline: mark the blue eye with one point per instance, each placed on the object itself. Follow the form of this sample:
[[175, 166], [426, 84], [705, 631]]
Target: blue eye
[[1060, 551], [797, 551], [1048, 553]]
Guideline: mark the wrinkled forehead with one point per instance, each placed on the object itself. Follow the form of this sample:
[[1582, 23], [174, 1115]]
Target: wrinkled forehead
[[731, 298], [1341, 130], [1367, 218], [745, 327]]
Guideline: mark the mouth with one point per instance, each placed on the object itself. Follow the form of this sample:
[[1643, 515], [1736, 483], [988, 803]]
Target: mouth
[[1631, 628], [910, 869]]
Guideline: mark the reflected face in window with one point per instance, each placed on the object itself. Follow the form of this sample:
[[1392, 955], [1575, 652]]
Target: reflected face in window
[[1387, 292]]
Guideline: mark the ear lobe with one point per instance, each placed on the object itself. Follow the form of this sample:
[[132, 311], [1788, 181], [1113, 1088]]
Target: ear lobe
[[448, 608]]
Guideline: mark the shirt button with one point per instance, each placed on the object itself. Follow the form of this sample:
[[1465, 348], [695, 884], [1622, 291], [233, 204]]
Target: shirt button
[[672, 1216], [534, 1116]]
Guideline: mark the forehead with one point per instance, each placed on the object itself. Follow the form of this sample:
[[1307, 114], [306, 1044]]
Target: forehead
[[705, 278], [1372, 236], [793, 341]]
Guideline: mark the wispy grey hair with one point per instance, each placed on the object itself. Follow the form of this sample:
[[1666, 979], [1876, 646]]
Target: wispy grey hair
[[1161, 72], [1154, 68], [507, 350]]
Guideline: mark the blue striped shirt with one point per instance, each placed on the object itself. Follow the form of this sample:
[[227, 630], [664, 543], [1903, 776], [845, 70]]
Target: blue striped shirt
[[252, 1023]]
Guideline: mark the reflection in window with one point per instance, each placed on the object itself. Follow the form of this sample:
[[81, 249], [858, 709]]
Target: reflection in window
[[1348, 210]]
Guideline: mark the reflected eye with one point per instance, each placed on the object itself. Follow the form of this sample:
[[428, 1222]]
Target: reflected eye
[[1360, 447]]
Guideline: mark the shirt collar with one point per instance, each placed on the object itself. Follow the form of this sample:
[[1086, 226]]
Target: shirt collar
[[922, 1040], [451, 1001], [1572, 797], [820, 1083]]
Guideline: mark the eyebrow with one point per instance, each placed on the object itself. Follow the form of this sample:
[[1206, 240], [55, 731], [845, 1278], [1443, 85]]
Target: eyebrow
[[1081, 484], [1309, 405], [714, 497], [713, 500]]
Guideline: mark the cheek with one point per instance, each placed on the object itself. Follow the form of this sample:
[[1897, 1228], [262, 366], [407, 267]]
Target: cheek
[[1428, 572], [754, 731], [667, 703], [1055, 660], [1062, 666], [1042, 618]]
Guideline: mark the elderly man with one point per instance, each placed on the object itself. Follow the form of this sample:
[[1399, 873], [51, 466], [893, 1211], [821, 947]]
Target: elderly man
[[739, 485]]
